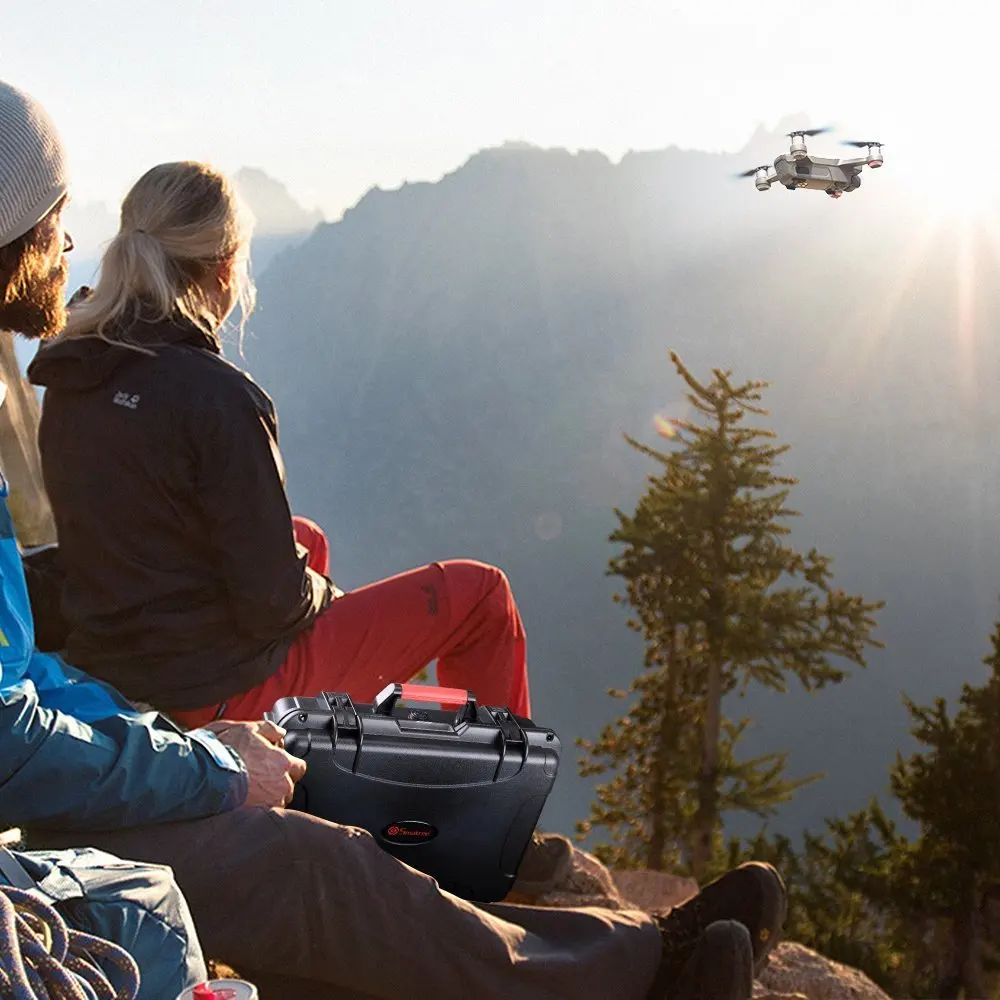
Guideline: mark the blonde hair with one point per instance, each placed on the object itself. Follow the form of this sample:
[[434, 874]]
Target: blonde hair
[[179, 222]]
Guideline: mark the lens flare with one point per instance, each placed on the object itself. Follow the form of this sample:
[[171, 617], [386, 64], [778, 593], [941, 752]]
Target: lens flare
[[548, 526], [665, 426]]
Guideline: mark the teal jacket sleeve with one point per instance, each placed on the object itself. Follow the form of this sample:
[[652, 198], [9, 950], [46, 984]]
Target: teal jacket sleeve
[[122, 770]]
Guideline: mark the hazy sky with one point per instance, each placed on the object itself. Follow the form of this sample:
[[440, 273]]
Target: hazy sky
[[332, 96]]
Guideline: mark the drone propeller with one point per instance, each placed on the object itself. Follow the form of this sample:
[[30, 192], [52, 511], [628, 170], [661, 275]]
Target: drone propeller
[[860, 144], [809, 131], [754, 170]]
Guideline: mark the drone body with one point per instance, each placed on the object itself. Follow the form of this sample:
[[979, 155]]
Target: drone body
[[798, 169]]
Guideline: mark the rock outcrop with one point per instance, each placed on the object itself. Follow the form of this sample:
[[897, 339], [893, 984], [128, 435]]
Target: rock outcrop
[[794, 972], [654, 891], [588, 883]]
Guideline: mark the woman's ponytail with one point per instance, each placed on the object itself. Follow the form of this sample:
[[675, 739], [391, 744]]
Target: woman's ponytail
[[178, 222]]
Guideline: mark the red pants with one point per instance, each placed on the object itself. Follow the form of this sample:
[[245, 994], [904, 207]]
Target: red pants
[[459, 612]]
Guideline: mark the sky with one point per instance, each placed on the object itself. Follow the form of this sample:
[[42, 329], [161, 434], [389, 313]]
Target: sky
[[333, 97]]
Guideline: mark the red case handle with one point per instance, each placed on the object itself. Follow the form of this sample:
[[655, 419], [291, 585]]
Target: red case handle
[[391, 693], [427, 692]]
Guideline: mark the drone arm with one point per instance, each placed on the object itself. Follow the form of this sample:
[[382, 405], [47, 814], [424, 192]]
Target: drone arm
[[860, 161], [769, 178]]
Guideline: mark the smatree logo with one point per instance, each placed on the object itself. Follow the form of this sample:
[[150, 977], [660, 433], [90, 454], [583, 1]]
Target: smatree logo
[[409, 831]]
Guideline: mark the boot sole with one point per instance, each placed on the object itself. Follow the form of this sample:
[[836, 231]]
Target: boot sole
[[773, 911], [722, 966]]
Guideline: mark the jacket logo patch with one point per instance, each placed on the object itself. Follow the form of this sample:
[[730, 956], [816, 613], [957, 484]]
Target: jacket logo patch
[[129, 399]]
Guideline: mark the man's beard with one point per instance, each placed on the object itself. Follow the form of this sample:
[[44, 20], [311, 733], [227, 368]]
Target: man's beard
[[38, 309]]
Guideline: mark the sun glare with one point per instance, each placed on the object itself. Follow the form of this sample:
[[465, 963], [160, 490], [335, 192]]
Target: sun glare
[[952, 194], [954, 227], [949, 180]]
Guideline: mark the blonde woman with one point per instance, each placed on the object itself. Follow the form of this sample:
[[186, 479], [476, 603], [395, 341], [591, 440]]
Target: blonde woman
[[189, 585]]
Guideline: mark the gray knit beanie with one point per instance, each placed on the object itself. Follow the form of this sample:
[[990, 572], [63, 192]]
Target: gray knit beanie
[[32, 164]]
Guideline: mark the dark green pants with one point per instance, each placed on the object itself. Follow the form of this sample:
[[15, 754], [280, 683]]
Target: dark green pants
[[288, 894]]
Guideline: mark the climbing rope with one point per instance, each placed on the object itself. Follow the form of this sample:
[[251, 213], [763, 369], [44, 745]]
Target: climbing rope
[[43, 959]]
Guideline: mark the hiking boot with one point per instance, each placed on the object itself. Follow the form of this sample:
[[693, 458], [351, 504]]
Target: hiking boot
[[546, 863], [721, 967], [752, 894]]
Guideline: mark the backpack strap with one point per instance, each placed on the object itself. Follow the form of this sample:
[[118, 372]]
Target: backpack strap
[[13, 871]]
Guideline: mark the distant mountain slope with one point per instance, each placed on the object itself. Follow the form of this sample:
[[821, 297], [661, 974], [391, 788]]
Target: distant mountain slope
[[281, 221], [276, 212], [454, 365]]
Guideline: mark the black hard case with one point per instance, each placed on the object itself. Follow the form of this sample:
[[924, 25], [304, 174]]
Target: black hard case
[[455, 795]]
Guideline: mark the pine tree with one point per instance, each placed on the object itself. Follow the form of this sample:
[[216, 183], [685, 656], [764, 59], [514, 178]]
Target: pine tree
[[722, 602], [840, 900], [952, 789], [921, 916]]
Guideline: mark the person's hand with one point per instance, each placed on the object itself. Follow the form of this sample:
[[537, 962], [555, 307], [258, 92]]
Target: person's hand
[[265, 729], [272, 771]]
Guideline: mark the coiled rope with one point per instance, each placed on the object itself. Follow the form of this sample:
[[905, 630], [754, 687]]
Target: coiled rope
[[43, 959]]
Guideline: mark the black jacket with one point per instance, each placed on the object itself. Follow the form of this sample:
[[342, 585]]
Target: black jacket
[[184, 585]]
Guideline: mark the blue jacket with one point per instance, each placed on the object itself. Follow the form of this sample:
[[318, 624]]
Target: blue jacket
[[74, 754]]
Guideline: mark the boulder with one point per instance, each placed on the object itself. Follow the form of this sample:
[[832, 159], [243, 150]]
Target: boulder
[[654, 891], [798, 971], [794, 972], [587, 883]]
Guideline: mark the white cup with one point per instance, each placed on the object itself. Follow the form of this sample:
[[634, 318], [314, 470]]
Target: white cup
[[224, 989]]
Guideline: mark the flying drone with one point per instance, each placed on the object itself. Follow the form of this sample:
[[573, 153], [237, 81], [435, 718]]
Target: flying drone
[[798, 169]]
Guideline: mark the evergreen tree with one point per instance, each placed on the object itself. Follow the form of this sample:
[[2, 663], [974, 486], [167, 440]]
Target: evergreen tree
[[722, 602], [840, 899], [922, 916], [952, 789]]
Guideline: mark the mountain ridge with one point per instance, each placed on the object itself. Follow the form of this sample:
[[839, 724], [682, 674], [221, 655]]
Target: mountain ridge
[[455, 363]]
